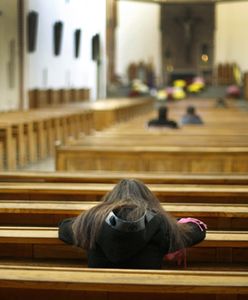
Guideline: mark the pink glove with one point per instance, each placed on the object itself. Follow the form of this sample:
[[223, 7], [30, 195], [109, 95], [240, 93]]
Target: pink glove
[[199, 223]]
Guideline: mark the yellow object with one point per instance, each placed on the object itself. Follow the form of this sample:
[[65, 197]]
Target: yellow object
[[237, 75], [178, 94], [195, 87], [139, 86], [179, 83], [161, 95]]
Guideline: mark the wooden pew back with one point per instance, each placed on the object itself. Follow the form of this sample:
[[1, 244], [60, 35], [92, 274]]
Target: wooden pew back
[[219, 249], [131, 146], [50, 213], [94, 192], [29, 282]]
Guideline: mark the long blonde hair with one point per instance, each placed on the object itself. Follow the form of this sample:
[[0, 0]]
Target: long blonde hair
[[130, 198]]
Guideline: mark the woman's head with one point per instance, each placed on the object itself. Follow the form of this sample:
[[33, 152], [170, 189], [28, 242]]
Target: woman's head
[[132, 191], [129, 200]]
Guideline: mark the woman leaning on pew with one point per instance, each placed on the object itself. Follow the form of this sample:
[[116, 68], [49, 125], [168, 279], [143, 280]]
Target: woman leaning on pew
[[130, 229]]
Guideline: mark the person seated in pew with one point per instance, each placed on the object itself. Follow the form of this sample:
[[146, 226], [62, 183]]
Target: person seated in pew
[[221, 102], [162, 120], [130, 229], [191, 117]]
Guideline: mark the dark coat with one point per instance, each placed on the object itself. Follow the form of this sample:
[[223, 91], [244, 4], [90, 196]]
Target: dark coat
[[132, 247], [162, 123]]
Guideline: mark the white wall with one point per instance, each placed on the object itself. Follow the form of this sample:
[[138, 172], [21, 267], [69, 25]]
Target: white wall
[[231, 34], [138, 35], [9, 59], [64, 71]]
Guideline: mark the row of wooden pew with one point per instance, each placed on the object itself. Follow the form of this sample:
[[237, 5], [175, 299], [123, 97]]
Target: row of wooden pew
[[86, 188], [34, 261], [220, 145], [36, 282], [220, 249], [226, 73], [52, 97], [50, 212], [116, 176], [188, 193], [29, 136], [36, 264]]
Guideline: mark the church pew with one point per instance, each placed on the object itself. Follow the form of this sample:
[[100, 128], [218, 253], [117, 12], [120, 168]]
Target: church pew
[[94, 192], [139, 146], [213, 129], [45, 126], [228, 248], [153, 159], [116, 176], [104, 140], [132, 146], [32, 282], [52, 97], [50, 213], [14, 134], [212, 116], [1, 155], [27, 134], [112, 111], [65, 122], [217, 123], [6, 140]]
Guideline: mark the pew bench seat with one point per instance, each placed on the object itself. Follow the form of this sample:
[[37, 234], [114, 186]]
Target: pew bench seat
[[115, 176], [50, 213], [138, 158], [187, 193], [219, 248], [49, 235], [72, 283]]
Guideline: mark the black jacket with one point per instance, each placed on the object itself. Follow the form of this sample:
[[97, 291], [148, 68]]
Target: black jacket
[[129, 245], [162, 123]]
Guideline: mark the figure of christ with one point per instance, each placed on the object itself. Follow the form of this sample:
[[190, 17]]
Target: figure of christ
[[188, 23]]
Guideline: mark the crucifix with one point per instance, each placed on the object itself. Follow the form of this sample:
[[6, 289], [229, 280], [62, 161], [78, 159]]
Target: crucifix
[[188, 23]]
